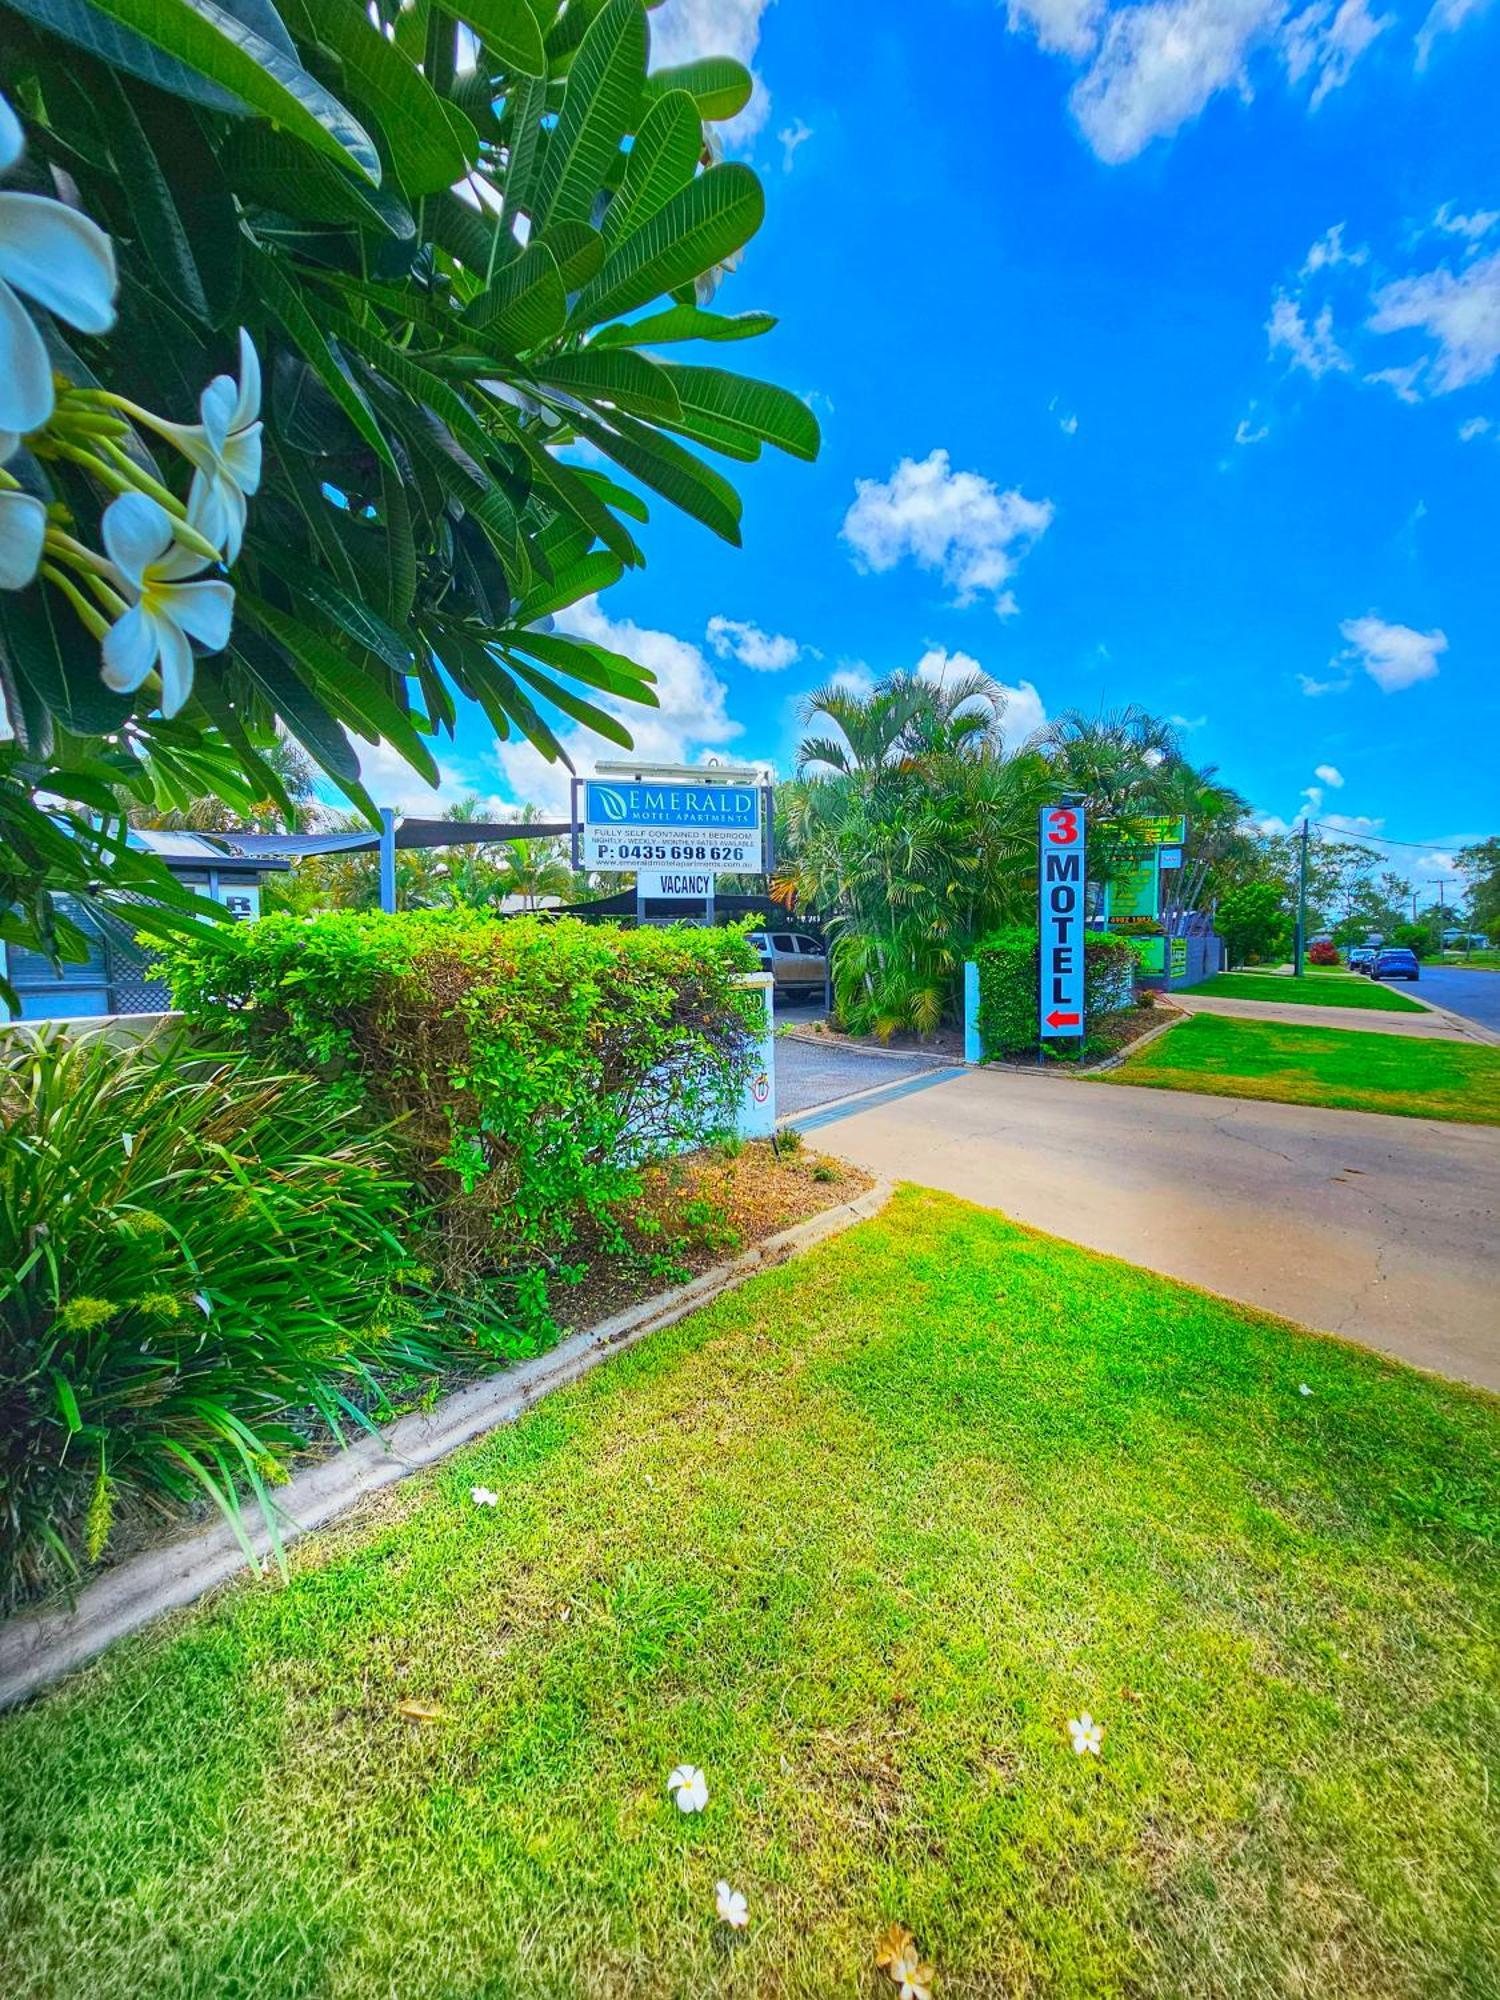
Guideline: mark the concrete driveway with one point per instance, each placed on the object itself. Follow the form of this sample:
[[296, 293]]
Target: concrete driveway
[[1385, 1230]]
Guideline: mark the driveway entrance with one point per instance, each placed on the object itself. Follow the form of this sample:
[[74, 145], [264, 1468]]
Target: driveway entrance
[[811, 1075]]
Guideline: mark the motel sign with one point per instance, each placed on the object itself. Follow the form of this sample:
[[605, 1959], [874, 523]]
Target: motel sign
[[1060, 877]]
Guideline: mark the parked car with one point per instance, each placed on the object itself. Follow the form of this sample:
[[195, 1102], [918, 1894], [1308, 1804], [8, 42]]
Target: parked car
[[1361, 958], [798, 965], [1396, 962]]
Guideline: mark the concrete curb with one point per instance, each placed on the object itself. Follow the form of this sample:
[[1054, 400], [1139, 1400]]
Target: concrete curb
[[39, 1648]]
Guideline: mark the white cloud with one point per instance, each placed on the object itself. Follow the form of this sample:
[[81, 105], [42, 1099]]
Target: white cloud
[[391, 781], [1068, 424], [792, 137], [853, 677], [1355, 825], [1188, 722], [1402, 381], [1310, 346], [958, 523], [1024, 712], [1147, 67], [1394, 656], [1473, 227], [1064, 27], [764, 652], [1251, 429], [1330, 775], [1159, 63], [1460, 310], [1474, 427], [1325, 44], [692, 717], [688, 29], [1445, 18], [1329, 252], [1311, 685]]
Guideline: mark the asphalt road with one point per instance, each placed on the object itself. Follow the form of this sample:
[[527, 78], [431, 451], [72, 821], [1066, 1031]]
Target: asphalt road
[[1476, 995], [809, 1074], [1384, 1230]]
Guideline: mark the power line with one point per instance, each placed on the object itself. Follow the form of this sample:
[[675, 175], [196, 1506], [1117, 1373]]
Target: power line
[[1385, 840]]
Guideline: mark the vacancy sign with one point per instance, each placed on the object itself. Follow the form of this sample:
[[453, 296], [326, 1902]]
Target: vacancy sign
[[1060, 995]]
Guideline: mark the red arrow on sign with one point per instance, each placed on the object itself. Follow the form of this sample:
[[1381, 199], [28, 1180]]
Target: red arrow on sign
[[1056, 1020]]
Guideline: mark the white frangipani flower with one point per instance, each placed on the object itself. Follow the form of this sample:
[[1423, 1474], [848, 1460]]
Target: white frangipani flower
[[484, 1496], [1087, 1734], [23, 524], [689, 1788], [1303, 1390], [732, 1905], [62, 260], [23, 528], [169, 609], [225, 448]]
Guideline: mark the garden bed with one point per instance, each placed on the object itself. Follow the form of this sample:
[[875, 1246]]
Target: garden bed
[[1107, 1040], [694, 1212]]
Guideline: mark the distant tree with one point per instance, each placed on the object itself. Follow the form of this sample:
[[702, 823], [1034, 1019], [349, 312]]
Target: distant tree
[[1480, 867], [1253, 922]]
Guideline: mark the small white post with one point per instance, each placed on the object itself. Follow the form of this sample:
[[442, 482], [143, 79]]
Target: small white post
[[757, 1117]]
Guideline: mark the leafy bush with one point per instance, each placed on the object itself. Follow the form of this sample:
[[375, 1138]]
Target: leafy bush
[[1415, 937], [533, 1064], [1253, 922], [1007, 960], [1323, 952], [197, 1258]]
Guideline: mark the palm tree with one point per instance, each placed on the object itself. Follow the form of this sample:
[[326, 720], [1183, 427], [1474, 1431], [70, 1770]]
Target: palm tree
[[914, 834]]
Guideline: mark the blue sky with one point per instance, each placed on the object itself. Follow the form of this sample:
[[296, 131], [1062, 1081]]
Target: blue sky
[[1155, 348]]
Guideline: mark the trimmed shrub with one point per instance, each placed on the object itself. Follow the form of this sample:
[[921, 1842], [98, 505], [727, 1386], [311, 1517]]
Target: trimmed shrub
[[1323, 951], [199, 1266], [1007, 961], [531, 1065]]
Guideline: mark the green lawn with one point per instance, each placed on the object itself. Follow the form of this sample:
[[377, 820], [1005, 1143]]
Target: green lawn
[[1313, 989], [858, 1541], [1350, 1070]]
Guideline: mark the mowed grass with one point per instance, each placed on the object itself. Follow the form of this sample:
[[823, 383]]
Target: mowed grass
[[1349, 1071], [858, 1540], [1313, 989]]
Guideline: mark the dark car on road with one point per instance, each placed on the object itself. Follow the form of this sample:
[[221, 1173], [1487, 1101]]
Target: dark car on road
[[1361, 958], [1397, 963]]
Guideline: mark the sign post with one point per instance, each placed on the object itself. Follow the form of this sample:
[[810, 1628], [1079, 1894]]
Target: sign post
[[1060, 877]]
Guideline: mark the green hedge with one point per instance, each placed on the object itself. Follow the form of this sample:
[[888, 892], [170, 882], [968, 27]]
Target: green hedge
[[531, 1064], [1007, 961]]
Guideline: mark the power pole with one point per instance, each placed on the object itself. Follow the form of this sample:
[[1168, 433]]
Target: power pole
[[1301, 940]]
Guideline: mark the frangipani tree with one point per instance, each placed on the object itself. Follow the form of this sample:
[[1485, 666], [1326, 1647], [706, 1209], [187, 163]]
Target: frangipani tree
[[438, 227]]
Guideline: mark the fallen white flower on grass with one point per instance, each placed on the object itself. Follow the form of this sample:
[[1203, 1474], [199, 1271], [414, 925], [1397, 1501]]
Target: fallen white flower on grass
[[1087, 1734], [732, 1905], [483, 1497], [898, 1957], [1303, 1390], [689, 1788], [50, 253]]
